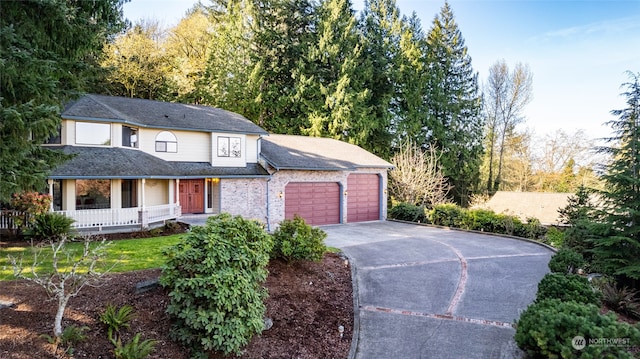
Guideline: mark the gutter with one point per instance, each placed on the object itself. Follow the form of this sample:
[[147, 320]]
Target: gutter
[[120, 120]]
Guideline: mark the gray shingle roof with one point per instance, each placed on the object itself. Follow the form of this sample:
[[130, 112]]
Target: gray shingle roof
[[157, 114], [316, 153], [541, 205], [115, 162]]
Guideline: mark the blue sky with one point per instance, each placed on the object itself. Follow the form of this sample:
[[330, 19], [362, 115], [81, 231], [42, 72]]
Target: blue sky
[[577, 50]]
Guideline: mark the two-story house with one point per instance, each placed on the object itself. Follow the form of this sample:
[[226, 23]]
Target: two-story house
[[137, 162]]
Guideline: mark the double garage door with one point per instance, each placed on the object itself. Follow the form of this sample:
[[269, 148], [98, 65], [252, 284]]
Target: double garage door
[[319, 202]]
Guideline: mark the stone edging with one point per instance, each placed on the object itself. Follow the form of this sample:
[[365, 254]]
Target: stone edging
[[355, 333]]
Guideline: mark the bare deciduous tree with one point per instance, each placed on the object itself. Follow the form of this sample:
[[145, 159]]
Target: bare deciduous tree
[[417, 177], [506, 95], [70, 271]]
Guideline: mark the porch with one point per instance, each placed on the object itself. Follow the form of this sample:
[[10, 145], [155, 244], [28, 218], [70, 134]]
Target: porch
[[139, 217]]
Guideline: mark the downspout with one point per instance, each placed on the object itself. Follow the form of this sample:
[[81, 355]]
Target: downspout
[[343, 194], [268, 207]]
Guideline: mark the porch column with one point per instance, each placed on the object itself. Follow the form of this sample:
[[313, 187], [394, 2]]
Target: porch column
[[144, 180], [177, 191], [143, 216], [50, 183]]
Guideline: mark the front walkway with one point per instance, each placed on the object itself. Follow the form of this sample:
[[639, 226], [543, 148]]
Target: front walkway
[[425, 292]]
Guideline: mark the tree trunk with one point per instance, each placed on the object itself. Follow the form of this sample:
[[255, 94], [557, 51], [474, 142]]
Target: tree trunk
[[492, 141], [501, 156], [57, 324]]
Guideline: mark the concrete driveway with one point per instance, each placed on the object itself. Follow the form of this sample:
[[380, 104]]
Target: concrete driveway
[[426, 292]]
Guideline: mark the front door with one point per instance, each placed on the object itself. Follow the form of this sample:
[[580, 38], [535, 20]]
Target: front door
[[192, 195]]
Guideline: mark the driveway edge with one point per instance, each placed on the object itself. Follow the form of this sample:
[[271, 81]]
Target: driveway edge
[[355, 335], [478, 232]]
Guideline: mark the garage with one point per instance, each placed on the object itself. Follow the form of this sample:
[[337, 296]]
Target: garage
[[363, 200], [317, 202]]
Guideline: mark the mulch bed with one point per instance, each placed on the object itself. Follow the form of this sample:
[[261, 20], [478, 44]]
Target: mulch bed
[[308, 302]]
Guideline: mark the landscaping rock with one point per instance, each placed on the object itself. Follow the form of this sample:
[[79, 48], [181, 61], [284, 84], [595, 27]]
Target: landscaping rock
[[6, 304], [147, 285]]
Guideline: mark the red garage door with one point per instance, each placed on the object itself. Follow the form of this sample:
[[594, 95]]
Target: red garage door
[[317, 202], [363, 200]]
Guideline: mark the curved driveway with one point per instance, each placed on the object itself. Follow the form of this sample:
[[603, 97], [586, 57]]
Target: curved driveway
[[426, 292]]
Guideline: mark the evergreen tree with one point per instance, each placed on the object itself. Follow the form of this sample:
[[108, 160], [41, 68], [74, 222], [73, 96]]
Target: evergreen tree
[[619, 253], [580, 216], [49, 51], [454, 105], [410, 106], [225, 83], [283, 33], [380, 28], [328, 82]]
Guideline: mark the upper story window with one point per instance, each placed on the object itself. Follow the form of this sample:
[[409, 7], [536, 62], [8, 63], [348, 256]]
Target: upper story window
[[91, 133], [229, 147], [55, 139], [129, 137], [166, 142]]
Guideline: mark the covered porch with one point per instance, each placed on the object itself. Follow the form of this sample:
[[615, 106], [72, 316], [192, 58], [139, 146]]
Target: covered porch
[[140, 217]]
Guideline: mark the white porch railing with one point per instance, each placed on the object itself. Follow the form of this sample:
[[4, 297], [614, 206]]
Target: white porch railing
[[98, 218]]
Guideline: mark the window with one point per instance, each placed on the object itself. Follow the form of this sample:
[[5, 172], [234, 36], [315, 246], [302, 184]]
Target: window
[[90, 133], [166, 142], [93, 194], [129, 137], [229, 147], [55, 139], [129, 193], [213, 195], [57, 195]]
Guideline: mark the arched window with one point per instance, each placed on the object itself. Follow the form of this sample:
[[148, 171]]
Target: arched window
[[166, 142]]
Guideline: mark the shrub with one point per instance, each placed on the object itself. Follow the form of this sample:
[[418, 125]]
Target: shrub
[[482, 220], [31, 204], [547, 327], [554, 237], [214, 277], [448, 215], [408, 212], [296, 240], [50, 226], [619, 299], [566, 261], [567, 288], [534, 229]]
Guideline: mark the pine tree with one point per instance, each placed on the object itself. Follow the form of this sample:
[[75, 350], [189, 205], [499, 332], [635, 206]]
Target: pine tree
[[225, 83], [580, 215], [454, 119], [619, 253], [328, 80], [49, 51], [410, 107], [282, 34], [380, 29]]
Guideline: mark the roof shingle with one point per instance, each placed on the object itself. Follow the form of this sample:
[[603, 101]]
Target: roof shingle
[[317, 153], [157, 114], [115, 162]]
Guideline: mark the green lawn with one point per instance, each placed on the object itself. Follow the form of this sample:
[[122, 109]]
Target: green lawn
[[124, 255]]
